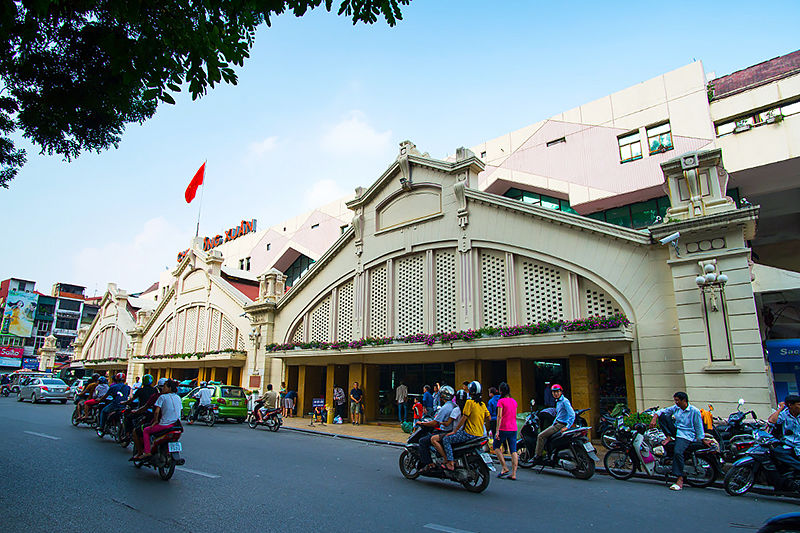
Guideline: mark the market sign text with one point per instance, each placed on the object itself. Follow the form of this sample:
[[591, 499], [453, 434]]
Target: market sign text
[[247, 226]]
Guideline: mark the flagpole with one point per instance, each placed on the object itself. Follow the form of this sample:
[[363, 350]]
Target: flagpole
[[200, 207]]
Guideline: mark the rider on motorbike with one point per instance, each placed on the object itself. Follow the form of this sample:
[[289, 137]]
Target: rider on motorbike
[[268, 401], [203, 396], [98, 394], [166, 413], [565, 417], [474, 417], [442, 422], [788, 418], [117, 393]]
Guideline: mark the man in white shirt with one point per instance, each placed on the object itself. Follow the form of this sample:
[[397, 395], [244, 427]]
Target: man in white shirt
[[203, 396]]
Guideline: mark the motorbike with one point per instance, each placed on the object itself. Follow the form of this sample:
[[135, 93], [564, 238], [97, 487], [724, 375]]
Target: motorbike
[[760, 465], [735, 436], [166, 450], [571, 450], [271, 418], [472, 465], [641, 450]]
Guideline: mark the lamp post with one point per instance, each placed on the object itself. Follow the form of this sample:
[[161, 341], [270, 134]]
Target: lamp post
[[711, 281]]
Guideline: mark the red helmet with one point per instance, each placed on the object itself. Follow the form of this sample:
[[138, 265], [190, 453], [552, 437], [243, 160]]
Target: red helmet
[[556, 386]]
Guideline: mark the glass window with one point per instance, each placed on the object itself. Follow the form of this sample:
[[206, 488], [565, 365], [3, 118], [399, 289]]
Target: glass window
[[644, 214], [619, 216], [659, 138], [630, 147]]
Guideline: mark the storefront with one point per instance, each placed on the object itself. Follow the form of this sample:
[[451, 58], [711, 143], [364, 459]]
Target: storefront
[[784, 360]]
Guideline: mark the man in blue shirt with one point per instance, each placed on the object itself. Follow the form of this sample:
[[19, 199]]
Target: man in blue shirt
[[684, 422], [788, 417], [427, 400], [565, 417]]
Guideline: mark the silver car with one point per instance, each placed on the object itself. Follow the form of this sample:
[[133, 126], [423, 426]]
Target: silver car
[[43, 389]]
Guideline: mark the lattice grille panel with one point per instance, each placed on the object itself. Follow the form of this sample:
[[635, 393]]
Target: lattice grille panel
[[190, 339], [345, 317], [410, 295], [170, 346], [202, 330], [446, 318], [213, 340], [180, 332], [378, 303], [493, 283], [596, 301], [320, 320], [543, 291], [228, 336]]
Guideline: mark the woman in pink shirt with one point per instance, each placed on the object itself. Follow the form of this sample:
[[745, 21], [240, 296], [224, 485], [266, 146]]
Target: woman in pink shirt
[[506, 432]]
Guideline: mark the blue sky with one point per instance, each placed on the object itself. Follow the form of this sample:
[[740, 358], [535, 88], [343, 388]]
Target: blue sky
[[321, 107]]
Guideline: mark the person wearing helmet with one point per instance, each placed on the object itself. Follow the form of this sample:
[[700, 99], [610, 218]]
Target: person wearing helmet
[[474, 417], [117, 393], [203, 397], [98, 394], [442, 423], [565, 417]]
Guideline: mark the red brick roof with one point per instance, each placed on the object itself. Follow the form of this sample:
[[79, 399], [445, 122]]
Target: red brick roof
[[766, 72]]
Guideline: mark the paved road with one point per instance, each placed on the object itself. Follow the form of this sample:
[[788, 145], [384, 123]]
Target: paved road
[[59, 478]]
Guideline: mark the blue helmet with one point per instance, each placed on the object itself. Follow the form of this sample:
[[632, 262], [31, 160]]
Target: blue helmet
[[102, 379]]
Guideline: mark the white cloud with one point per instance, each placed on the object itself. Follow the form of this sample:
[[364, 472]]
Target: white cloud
[[354, 136], [260, 148], [133, 264]]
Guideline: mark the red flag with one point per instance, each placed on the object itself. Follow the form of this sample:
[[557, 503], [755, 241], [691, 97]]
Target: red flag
[[197, 181]]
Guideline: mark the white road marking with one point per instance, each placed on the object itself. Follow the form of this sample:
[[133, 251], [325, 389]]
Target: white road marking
[[197, 472], [42, 435], [446, 529]]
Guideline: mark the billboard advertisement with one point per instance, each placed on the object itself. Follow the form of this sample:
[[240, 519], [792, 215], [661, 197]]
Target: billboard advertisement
[[11, 356], [19, 313]]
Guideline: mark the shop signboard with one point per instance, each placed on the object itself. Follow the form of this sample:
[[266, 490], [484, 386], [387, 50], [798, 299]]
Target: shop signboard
[[19, 313], [783, 350], [31, 363], [11, 356]]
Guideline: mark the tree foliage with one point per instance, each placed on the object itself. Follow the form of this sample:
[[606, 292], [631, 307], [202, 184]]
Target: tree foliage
[[74, 73]]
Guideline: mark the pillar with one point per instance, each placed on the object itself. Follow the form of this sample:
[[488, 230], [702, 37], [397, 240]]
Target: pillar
[[583, 385], [371, 388], [630, 384]]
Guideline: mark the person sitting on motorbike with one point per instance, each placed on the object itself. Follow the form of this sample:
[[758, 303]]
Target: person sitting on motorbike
[[473, 421], [203, 396], [166, 413], [268, 401], [117, 394], [99, 393], [788, 418], [683, 422], [565, 417], [442, 423], [143, 416]]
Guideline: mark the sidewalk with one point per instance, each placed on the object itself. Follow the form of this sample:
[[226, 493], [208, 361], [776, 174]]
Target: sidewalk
[[374, 432]]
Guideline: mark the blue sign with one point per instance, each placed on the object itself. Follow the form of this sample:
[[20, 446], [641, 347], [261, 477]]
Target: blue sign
[[31, 363], [783, 350]]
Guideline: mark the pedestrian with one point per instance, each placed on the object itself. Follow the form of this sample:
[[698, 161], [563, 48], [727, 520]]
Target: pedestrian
[[427, 400], [506, 431], [401, 397], [339, 401], [491, 405], [565, 417], [356, 404], [683, 422]]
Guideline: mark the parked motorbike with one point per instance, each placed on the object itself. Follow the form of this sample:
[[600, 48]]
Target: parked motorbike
[[735, 436], [640, 450], [571, 450], [166, 450], [271, 418], [472, 465], [760, 465]]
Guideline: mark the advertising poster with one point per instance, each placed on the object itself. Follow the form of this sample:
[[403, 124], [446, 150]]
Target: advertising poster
[[11, 356], [19, 314]]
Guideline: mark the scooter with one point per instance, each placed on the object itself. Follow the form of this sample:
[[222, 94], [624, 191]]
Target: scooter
[[271, 418], [640, 450], [472, 465], [166, 450], [760, 465], [570, 450]]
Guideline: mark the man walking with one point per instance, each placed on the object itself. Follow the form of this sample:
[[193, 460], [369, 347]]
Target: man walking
[[356, 404], [682, 421], [401, 397], [565, 417]]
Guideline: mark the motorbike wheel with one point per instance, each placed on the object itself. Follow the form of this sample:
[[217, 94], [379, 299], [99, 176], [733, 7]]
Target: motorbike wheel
[[618, 463], [707, 477], [252, 421], [586, 466], [525, 459], [166, 471], [607, 438], [409, 465], [480, 483], [74, 418], [740, 479]]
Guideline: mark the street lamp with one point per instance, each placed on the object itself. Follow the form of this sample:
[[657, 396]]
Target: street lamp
[[711, 282]]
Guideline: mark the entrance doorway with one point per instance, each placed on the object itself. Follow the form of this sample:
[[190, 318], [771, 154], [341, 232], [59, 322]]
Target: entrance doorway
[[415, 377]]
